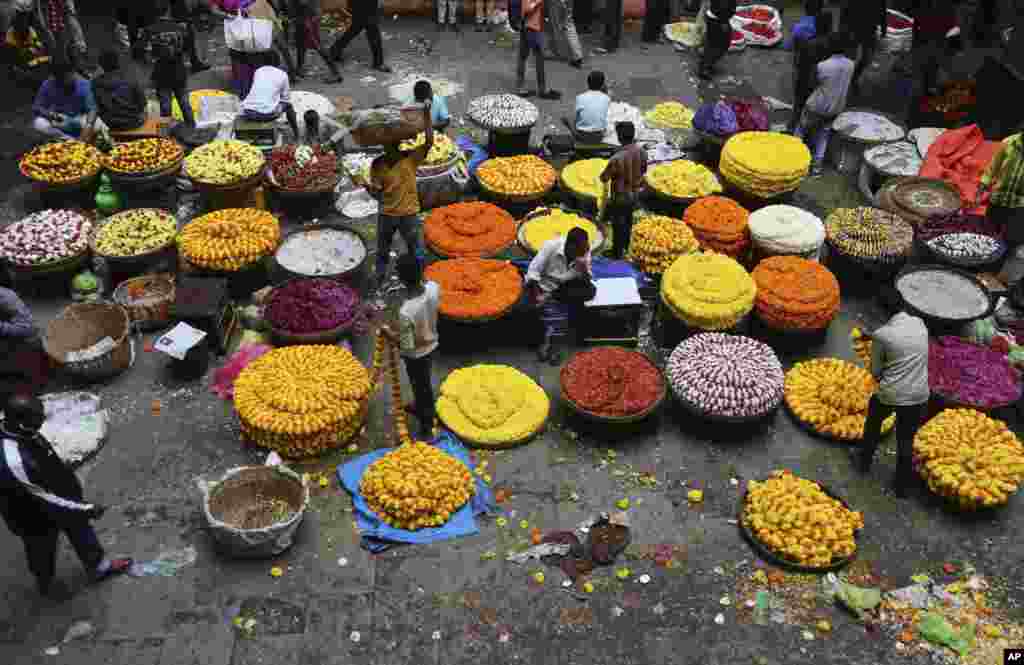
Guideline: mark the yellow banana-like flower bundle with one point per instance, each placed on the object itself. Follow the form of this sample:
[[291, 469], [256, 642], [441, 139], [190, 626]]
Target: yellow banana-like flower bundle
[[440, 153], [657, 241], [974, 460], [492, 405], [798, 521], [229, 239], [302, 400], [765, 164], [831, 397], [708, 291], [224, 162]]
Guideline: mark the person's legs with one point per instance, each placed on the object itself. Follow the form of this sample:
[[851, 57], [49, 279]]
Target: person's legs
[[613, 24], [622, 226], [293, 121], [163, 98], [868, 48], [524, 54], [386, 227], [877, 412], [41, 553], [408, 227], [418, 370], [376, 45], [301, 43], [908, 420], [341, 43], [86, 545], [181, 94]]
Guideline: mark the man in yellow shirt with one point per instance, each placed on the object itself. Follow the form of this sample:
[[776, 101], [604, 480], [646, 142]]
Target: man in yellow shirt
[[1004, 178], [393, 180]]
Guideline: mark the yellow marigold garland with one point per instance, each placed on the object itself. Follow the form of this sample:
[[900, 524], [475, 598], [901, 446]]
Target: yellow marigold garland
[[765, 163], [970, 458], [831, 397], [523, 175], [682, 179], [548, 223], [229, 239], [492, 405], [670, 115], [584, 177], [708, 291], [657, 241]]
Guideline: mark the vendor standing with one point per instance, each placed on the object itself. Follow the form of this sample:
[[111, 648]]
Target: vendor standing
[[900, 364], [24, 366], [559, 281], [625, 177], [1004, 178]]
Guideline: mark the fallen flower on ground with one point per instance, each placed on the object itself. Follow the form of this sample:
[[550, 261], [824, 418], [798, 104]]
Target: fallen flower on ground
[[276, 571]]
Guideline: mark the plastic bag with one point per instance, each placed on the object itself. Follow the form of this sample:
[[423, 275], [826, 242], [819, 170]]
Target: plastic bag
[[934, 628], [75, 424], [166, 565], [857, 599], [715, 118], [249, 35], [224, 377]]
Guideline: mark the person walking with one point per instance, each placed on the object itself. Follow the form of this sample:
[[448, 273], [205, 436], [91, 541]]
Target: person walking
[[170, 77], [305, 14], [565, 41], [186, 12], [365, 16], [863, 19], [900, 364], [718, 34], [1004, 178], [583, 14], [531, 40], [40, 498], [447, 15], [624, 175], [655, 18], [614, 16]]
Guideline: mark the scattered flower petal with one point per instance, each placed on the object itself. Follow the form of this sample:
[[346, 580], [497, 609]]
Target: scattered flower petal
[[658, 609], [502, 522], [52, 651], [354, 636], [718, 570], [824, 626], [949, 568], [612, 454], [734, 482], [622, 573], [523, 524], [353, 448], [567, 583], [720, 619], [617, 611], [725, 600], [436, 636], [588, 587], [342, 561], [503, 637], [276, 571], [622, 504], [750, 604], [644, 579], [489, 555], [695, 496], [487, 478], [324, 482], [807, 635], [538, 577]]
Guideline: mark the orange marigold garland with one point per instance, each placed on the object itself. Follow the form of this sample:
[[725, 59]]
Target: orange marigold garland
[[720, 224], [475, 288], [469, 229], [795, 293]]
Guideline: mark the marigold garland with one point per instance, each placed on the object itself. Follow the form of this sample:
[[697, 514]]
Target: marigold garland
[[475, 288], [610, 381], [795, 293], [765, 164], [229, 239], [584, 177], [440, 153], [469, 229], [523, 175], [970, 458], [708, 291], [492, 405], [547, 223], [657, 241], [831, 397], [682, 179], [302, 400], [143, 155], [798, 521], [61, 162], [720, 224]]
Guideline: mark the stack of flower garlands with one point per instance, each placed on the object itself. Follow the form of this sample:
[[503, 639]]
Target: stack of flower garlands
[[302, 400], [796, 520], [492, 406], [229, 239], [583, 178], [469, 229], [416, 485], [441, 152], [612, 382], [475, 289], [974, 460], [726, 376], [783, 229], [869, 235], [708, 291], [765, 164], [656, 242], [795, 293], [224, 162], [547, 223], [61, 162], [720, 225], [523, 176], [682, 179], [831, 396]]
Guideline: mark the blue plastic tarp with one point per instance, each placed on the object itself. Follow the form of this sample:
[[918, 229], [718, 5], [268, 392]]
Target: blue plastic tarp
[[379, 536], [477, 155]]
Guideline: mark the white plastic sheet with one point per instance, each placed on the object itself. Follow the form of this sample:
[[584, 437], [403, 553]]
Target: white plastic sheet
[[75, 424]]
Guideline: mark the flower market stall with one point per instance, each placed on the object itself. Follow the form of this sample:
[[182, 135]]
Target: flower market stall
[[46, 242], [869, 240], [227, 172], [319, 250], [830, 398], [521, 179], [544, 224], [657, 241], [706, 292], [764, 165], [582, 180], [475, 290], [720, 225], [63, 172], [311, 311], [509, 120], [680, 182], [230, 243], [784, 230], [795, 294], [474, 229], [612, 385]]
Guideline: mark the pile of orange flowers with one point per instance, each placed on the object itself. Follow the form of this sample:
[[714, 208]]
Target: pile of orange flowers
[[720, 225], [475, 289], [795, 293], [469, 229]]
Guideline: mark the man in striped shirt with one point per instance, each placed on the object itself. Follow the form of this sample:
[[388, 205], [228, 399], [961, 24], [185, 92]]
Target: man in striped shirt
[[40, 497]]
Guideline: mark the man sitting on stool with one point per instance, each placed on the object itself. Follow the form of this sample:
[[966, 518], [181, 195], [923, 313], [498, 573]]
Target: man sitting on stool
[[559, 282], [269, 96]]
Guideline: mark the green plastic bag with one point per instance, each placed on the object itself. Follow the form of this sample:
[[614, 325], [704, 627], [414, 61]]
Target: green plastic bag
[[934, 628], [858, 599]]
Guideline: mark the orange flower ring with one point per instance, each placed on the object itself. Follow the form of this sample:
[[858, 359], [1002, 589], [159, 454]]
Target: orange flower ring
[[720, 224], [795, 293], [469, 229], [475, 288]]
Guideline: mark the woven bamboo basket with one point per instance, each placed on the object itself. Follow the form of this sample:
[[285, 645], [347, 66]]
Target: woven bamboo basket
[[82, 325], [148, 300], [144, 177]]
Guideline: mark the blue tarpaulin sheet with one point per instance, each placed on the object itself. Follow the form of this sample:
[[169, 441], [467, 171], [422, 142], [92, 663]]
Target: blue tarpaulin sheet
[[477, 155], [378, 536]]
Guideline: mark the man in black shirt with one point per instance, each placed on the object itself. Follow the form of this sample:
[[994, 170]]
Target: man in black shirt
[[170, 76], [120, 100]]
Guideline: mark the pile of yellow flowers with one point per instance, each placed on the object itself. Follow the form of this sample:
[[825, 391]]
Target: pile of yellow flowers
[[548, 223], [765, 164], [682, 179], [584, 177], [670, 115], [869, 233], [520, 176], [440, 153], [134, 232], [970, 458], [799, 522], [656, 242], [195, 100], [61, 162], [831, 397], [708, 291], [224, 162], [302, 400], [861, 347], [492, 405], [229, 239]]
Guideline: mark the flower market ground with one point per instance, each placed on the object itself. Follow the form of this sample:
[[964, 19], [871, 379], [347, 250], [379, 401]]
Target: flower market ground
[[461, 601]]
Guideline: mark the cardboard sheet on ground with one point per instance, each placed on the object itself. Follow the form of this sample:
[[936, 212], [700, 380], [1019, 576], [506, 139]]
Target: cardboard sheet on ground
[[378, 536]]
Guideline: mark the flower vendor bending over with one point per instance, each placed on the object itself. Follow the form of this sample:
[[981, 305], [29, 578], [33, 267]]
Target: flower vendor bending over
[[65, 107], [417, 338], [900, 364], [1004, 178], [24, 366], [834, 77], [625, 175], [559, 282], [40, 497], [393, 180]]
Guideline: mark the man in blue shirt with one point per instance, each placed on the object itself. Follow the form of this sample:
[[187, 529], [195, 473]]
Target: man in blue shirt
[[592, 110], [439, 117], [65, 107]]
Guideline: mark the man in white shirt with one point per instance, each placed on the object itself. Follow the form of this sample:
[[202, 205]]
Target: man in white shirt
[[417, 337], [559, 281], [592, 110], [270, 94]]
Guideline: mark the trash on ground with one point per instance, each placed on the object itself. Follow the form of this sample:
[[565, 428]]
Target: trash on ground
[[79, 630], [538, 552], [934, 628], [168, 564]]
